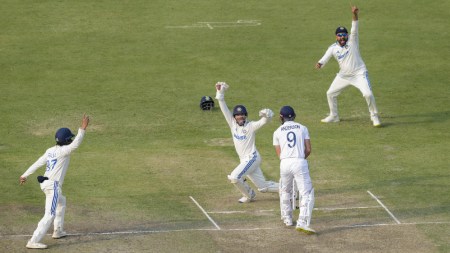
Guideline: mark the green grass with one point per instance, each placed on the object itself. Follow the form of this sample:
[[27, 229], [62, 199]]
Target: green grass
[[149, 146]]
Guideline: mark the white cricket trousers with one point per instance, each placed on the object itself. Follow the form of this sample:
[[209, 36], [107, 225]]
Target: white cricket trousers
[[55, 206], [361, 82], [294, 169], [250, 168]]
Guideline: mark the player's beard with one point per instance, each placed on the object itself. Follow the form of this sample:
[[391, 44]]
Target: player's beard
[[342, 41]]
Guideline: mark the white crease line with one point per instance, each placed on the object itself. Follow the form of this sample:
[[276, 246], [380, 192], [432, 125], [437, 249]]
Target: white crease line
[[237, 229], [205, 213], [316, 209], [232, 212], [344, 208], [390, 224], [385, 208]]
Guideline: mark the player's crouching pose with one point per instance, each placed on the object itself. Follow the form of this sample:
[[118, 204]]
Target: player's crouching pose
[[57, 160], [243, 133], [293, 146]]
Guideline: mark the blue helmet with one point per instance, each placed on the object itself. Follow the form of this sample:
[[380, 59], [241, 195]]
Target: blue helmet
[[206, 103], [239, 110], [64, 136], [287, 112]]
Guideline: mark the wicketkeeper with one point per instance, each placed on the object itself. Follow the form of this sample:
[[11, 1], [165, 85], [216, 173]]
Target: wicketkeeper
[[243, 133]]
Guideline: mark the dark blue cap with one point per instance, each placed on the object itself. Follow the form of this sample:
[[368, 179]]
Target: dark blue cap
[[64, 136], [341, 29], [287, 112], [239, 110]]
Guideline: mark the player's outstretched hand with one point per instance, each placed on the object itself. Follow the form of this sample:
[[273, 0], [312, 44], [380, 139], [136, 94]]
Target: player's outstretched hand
[[84, 122], [266, 113], [318, 65], [221, 87], [355, 10]]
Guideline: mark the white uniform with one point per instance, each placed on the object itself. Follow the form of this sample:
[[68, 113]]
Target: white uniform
[[291, 138], [57, 160], [353, 71], [250, 160]]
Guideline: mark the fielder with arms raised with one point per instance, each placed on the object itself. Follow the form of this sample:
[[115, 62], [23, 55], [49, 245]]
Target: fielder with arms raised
[[292, 145], [353, 71], [243, 133], [56, 159]]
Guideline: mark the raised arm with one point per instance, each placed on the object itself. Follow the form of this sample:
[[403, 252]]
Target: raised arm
[[355, 12], [221, 87]]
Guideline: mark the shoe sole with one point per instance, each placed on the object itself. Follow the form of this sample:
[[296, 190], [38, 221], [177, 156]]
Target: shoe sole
[[31, 247], [59, 237], [308, 232]]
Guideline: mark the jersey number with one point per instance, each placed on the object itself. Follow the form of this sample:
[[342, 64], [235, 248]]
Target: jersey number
[[291, 138], [51, 164]]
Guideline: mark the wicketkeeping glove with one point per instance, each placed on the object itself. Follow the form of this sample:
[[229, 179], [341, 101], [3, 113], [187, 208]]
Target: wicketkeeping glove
[[221, 87], [266, 113]]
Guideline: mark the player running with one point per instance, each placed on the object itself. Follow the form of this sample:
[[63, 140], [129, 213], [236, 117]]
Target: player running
[[353, 71], [292, 145], [243, 133], [57, 160]]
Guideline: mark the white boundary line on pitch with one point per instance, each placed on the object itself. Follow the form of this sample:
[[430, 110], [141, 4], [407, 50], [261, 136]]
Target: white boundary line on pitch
[[205, 213], [385, 208]]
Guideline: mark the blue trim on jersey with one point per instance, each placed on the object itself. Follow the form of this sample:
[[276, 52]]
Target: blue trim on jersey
[[249, 164], [55, 198]]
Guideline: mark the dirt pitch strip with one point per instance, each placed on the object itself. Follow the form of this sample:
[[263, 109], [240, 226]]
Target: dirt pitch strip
[[364, 229]]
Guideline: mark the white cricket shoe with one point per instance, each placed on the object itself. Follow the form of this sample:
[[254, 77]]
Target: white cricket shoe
[[36, 245], [376, 121], [245, 199], [305, 229], [330, 119], [59, 234], [288, 222]]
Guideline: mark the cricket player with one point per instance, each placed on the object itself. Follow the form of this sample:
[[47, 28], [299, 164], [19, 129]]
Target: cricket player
[[293, 146], [243, 133], [353, 71], [56, 159]]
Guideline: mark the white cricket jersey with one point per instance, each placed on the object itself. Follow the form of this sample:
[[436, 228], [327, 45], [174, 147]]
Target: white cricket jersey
[[243, 136], [56, 159], [348, 57], [291, 138]]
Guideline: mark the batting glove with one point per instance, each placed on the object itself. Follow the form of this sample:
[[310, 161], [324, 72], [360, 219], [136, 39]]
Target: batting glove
[[221, 87], [266, 113]]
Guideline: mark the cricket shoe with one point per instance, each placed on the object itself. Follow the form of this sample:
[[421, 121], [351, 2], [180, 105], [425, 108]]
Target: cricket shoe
[[246, 199], [36, 245], [59, 234], [305, 229], [288, 222], [330, 119], [376, 121]]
